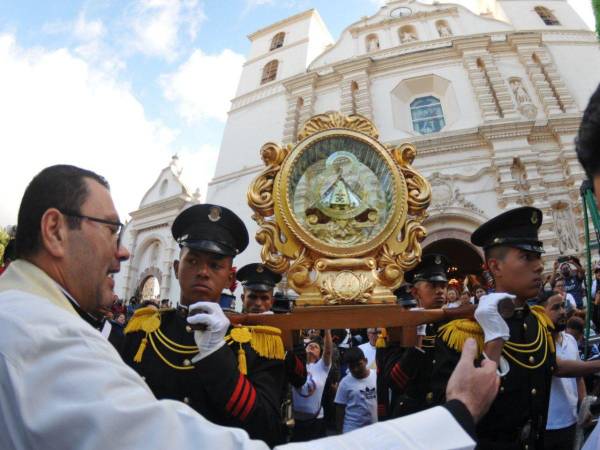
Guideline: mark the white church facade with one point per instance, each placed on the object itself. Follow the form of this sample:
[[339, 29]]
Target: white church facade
[[148, 274], [492, 102]]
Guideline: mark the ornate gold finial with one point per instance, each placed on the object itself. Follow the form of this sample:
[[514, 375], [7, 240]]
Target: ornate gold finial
[[340, 212], [332, 120]]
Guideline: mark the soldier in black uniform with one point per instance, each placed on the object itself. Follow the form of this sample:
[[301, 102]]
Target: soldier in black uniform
[[238, 384], [407, 371], [259, 282], [522, 343]]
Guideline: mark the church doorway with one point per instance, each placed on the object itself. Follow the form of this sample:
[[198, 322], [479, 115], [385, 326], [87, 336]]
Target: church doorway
[[150, 288], [465, 260]]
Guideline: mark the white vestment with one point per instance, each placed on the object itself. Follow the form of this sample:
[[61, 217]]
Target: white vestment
[[63, 386]]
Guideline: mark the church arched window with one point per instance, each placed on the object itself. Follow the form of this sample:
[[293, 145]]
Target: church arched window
[[427, 115], [372, 43], [546, 15], [269, 72], [277, 40]]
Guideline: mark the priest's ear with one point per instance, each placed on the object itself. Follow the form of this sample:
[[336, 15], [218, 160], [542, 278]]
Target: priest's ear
[[54, 229], [176, 268]]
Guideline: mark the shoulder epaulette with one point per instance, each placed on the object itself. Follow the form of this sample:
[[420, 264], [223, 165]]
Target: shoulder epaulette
[[148, 320], [265, 341], [540, 314], [456, 332], [381, 339], [144, 319], [544, 321]]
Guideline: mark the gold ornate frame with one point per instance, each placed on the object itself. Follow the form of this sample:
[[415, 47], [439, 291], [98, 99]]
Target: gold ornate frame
[[321, 273]]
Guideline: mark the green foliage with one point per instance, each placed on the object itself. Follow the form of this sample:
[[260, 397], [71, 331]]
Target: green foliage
[[596, 8], [4, 237]]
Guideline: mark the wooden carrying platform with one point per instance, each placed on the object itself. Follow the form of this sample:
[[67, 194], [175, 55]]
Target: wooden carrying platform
[[400, 323]]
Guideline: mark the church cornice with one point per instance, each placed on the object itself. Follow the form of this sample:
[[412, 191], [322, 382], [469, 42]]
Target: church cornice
[[273, 53], [176, 202], [238, 174], [392, 21], [282, 23]]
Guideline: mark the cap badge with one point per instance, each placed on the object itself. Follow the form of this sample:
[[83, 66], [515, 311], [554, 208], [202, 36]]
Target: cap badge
[[438, 259], [496, 240], [214, 214], [534, 218], [260, 269]]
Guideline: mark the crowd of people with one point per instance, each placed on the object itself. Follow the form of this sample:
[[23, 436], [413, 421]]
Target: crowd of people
[[82, 369]]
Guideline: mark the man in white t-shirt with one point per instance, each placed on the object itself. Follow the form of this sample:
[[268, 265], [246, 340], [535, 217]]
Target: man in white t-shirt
[[306, 400], [356, 398], [369, 349], [565, 392]]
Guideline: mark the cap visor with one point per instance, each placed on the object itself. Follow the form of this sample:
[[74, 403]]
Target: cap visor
[[210, 247], [258, 287]]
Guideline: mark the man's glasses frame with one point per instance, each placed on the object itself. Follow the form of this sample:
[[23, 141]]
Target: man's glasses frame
[[119, 225]]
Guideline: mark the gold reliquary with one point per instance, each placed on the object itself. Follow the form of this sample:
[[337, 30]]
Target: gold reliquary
[[340, 213]]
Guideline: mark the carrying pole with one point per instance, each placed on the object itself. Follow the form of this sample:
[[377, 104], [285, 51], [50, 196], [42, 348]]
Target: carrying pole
[[589, 210]]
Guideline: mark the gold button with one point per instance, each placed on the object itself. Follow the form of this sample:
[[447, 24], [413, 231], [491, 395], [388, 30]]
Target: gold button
[[186, 400], [526, 447], [433, 362], [525, 326], [501, 388], [533, 391], [188, 329], [531, 359], [187, 362]]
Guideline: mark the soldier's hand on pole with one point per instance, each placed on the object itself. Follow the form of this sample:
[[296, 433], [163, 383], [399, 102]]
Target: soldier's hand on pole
[[476, 387], [210, 316]]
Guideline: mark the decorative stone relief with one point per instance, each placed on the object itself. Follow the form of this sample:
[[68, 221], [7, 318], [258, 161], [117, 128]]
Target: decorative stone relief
[[444, 30], [524, 103], [444, 194], [518, 172], [565, 228], [519, 175], [408, 34]]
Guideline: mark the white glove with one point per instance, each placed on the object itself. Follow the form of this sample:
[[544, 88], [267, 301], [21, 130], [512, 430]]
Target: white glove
[[211, 339], [421, 329], [487, 315]]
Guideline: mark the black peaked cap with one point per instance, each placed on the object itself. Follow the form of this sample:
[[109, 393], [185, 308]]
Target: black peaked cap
[[432, 267], [210, 228], [257, 277], [515, 228]]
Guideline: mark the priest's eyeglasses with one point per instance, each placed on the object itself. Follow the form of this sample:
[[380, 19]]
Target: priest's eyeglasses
[[116, 228]]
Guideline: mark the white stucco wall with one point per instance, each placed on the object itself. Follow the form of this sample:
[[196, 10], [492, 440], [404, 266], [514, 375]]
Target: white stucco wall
[[523, 16]]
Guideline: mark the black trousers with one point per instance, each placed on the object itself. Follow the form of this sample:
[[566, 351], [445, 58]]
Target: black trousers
[[307, 430], [560, 439]]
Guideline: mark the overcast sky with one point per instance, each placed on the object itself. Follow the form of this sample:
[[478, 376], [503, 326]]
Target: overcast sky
[[119, 86]]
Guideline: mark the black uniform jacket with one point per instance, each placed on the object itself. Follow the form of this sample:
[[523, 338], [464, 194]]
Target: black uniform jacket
[[406, 372], [517, 418], [212, 386]]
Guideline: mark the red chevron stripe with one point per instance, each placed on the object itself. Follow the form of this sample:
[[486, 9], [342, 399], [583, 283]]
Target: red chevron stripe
[[243, 398], [250, 404], [236, 393], [399, 376], [299, 366], [397, 370]]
